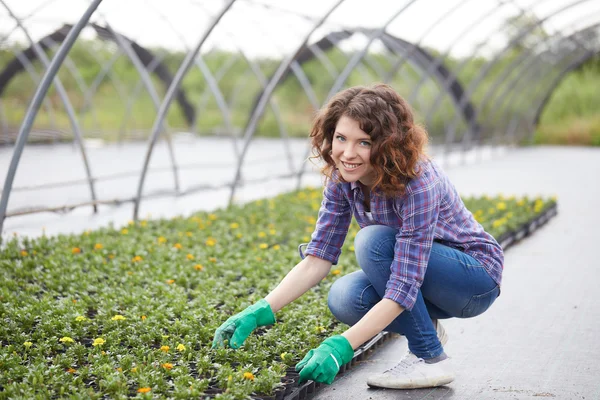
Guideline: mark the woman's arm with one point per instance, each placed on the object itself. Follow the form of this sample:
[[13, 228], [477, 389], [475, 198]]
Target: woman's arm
[[306, 274], [380, 316]]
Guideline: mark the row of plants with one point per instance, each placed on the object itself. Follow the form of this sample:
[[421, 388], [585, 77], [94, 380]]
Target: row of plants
[[131, 311]]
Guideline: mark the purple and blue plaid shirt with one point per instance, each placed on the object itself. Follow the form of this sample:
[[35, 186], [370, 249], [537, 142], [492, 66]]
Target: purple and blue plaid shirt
[[430, 209]]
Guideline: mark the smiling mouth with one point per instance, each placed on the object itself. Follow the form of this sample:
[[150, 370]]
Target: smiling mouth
[[350, 166]]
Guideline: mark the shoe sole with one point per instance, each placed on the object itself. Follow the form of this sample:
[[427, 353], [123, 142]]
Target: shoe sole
[[415, 384]]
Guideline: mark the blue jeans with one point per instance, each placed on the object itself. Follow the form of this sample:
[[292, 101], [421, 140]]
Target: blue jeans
[[455, 285]]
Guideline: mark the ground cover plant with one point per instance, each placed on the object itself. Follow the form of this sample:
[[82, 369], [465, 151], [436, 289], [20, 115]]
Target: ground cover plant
[[131, 311]]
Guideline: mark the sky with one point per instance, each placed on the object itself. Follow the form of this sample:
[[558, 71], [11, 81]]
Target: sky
[[277, 27]]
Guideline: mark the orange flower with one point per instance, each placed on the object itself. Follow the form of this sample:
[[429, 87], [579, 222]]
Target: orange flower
[[143, 317], [98, 246], [198, 267], [24, 253], [162, 239], [71, 370], [144, 390], [137, 259], [164, 349], [170, 281], [249, 376], [167, 366], [75, 250], [190, 256], [178, 246]]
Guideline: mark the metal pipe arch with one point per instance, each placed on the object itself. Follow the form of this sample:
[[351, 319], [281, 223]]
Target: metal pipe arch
[[36, 102], [158, 123]]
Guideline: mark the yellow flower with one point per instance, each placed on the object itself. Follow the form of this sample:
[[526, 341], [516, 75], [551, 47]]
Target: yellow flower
[[28, 344], [210, 241], [261, 234], [283, 355], [198, 267], [98, 246], [170, 281], [144, 390], [164, 349], [161, 239], [111, 256], [234, 225], [272, 231], [75, 250], [336, 272], [351, 248], [167, 366], [124, 231], [276, 247], [66, 339], [501, 206], [130, 222], [320, 329], [137, 259], [498, 223], [134, 369], [178, 246], [24, 253], [263, 246], [249, 376], [143, 317], [190, 256], [212, 217], [180, 347], [80, 318], [118, 318], [98, 342], [239, 236], [71, 370], [188, 234], [212, 259]]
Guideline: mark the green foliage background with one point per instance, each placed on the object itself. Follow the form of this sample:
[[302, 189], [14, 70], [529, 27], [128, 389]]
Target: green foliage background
[[570, 117]]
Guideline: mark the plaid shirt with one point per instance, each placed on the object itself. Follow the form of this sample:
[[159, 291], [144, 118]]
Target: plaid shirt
[[430, 209]]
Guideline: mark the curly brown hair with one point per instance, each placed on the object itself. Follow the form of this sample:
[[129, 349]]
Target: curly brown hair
[[398, 143]]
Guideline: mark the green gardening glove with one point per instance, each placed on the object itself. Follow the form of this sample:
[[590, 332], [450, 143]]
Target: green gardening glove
[[238, 327], [323, 363]]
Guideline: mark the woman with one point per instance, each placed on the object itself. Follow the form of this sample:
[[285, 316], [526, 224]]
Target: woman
[[423, 256]]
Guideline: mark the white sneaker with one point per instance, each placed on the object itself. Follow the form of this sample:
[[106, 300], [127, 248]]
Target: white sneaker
[[413, 373], [441, 332]]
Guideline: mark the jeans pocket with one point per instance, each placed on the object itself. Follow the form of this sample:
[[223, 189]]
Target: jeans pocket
[[480, 302]]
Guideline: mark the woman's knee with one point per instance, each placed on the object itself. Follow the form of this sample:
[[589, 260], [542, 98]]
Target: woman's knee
[[344, 299], [373, 243]]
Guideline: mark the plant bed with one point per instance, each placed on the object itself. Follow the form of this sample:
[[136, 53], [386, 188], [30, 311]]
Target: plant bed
[[131, 311]]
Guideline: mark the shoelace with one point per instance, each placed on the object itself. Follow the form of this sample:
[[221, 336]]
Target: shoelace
[[405, 363]]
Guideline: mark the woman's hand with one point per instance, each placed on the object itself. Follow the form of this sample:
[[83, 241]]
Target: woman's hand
[[323, 363], [238, 327]]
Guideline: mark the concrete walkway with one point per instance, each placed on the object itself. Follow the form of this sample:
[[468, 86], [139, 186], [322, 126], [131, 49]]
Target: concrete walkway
[[540, 339]]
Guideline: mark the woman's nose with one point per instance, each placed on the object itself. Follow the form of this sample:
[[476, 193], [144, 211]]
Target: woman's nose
[[349, 152]]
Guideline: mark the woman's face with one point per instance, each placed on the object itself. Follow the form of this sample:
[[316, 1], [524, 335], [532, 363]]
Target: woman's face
[[351, 152]]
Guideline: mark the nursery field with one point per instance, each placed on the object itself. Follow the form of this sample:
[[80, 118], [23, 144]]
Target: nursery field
[[131, 311]]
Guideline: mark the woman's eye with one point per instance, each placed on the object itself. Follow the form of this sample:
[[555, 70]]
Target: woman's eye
[[340, 138], [363, 143]]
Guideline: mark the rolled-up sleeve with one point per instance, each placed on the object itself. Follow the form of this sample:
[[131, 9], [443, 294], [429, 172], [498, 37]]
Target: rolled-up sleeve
[[332, 225], [419, 212]]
